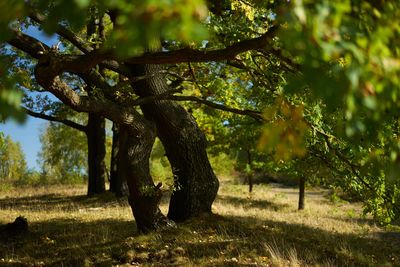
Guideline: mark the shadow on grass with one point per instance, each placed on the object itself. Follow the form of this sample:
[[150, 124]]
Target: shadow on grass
[[251, 203], [62, 202], [209, 240], [67, 242], [248, 237], [68, 203], [360, 221]]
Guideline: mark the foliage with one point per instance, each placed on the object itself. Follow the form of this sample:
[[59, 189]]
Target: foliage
[[63, 156], [352, 45], [13, 167], [160, 168], [10, 94]]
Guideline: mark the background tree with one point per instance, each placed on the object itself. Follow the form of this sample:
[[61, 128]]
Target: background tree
[[13, 167], [63, 157], [92, 127]]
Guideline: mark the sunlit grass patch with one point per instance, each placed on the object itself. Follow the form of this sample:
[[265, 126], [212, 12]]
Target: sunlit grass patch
[[263, 228]]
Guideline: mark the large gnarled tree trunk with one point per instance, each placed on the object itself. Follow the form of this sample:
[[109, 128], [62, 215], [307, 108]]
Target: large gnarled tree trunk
[[185, 146], [144, 197]]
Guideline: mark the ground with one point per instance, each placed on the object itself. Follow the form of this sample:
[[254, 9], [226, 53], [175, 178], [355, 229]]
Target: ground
[[66, 228]]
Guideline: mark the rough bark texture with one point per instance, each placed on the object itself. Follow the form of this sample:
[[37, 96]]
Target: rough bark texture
[[117, 185], [96, 137], [302, 183], [144, 196], [196, 185]]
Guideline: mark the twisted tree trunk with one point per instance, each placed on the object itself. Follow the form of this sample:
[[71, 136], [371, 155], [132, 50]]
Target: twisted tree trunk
[[144, 196], [196, 185]]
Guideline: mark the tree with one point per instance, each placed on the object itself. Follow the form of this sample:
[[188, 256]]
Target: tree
[[131, 125], [94, 130], [13, 166], [63, 156]]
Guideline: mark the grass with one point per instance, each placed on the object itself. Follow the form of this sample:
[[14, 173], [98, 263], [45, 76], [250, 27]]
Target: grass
[[262, 229]]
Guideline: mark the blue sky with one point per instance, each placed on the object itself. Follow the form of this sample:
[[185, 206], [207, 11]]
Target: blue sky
[[27, 134]]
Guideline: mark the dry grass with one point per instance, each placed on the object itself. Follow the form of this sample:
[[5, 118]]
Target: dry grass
[[262, 229]]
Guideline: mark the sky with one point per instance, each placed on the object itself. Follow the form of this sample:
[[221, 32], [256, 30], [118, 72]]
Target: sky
[[27, 134]]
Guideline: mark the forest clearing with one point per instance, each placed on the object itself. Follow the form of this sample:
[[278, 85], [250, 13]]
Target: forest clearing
[[67, 228]]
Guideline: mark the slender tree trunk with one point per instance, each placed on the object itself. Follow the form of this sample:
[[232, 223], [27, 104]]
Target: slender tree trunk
[[250, 173], [302, 183], [117, 184], [144, 196], [196, 185], [96, 137]]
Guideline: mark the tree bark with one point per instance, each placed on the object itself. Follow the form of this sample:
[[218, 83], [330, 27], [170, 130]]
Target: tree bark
[[117, 184], [96, 138], [302, 183], [144, 196], [250, 171], [196, 185]]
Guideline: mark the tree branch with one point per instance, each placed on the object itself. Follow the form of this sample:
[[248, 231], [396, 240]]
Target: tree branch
[[169, 96], [63, 32], [193, 55], [47, 71], [83, 63], [47, 78], [81, 44], [28, 44], [252, 113], [69, 123]]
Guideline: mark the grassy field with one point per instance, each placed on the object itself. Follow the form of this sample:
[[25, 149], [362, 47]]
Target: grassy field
[[66, 228]]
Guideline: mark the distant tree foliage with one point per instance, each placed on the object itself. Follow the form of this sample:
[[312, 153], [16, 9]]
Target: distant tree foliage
[[63, 157], [13, 166]]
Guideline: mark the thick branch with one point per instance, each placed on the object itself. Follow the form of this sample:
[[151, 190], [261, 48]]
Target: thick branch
[[46, 73], [193, 55], [83, 63], [28, 44], [40, 51], [66, 122], [63, 32], [60, 63], [74, 39], [45, 77]]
